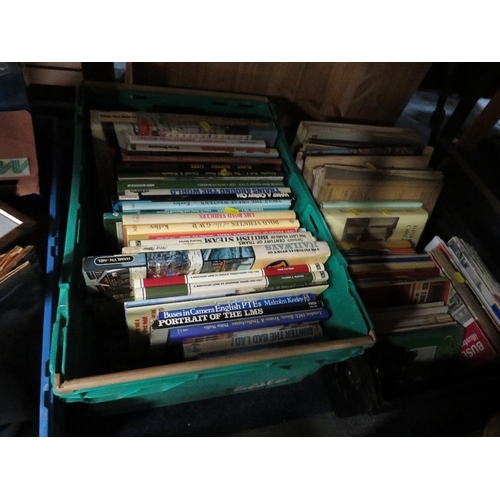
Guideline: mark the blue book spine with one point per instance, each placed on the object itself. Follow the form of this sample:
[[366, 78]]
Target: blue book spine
[[179, 335], [237, 306]]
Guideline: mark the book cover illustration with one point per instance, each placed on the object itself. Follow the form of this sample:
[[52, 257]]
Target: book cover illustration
[[372, 224], [113, 275]]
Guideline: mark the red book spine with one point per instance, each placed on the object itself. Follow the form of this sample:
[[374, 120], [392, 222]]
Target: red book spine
[[270, 271]]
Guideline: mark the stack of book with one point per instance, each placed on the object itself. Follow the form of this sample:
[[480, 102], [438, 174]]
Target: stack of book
[[210, 255], [404, 291], [475, 298], [379, 247], [342, 162]]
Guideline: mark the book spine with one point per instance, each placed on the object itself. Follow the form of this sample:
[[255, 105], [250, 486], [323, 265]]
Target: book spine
[[186, 140], [215, 234], [403, 293], [475, 345], [181, 334], [382, 259], [370, 204], [171, 159], [237, 151], [197, 319], [239, 303], [228, 276], [198, 170], [261, 337], [140, 315], [113, 275], [154, 185], [174, 124], [234, 258], [193, 134], [245, 284], [243, 193], [153, 245], [138, 219], [200, 228], [204, 205], [234, 240], [129, 196], [394, 266], [410, 274]]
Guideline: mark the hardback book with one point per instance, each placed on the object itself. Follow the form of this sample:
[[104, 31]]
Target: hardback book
[[198, 170], [155, 245], [136, 124], [372, 224], [307, 161], [214, 317], [217, 233], [386, 293], [221, 286], [271, 158], [360, 134], [133, 219], [185, 279], [152, 185], [341, 183], [376, 247], [147, 206], [391, 266], [198, 347], [233, 151], [383, 204], [147, 231], [179, 334], [145, 141], [113, 275], [386, 326], [476, 348], [139, 315], [207, 194]]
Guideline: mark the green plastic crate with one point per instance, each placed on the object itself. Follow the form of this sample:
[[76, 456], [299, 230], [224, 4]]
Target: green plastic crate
[[76, 370]]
